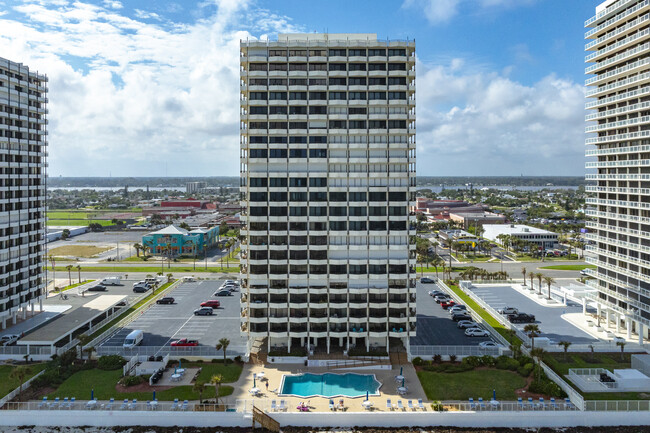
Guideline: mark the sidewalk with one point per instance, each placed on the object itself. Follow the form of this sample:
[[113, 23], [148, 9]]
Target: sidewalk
[[36, 321]]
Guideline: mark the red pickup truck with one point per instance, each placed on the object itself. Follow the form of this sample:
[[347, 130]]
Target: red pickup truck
[[184, 342]]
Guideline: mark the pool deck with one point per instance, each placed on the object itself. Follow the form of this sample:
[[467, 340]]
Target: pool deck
[[273, 376]]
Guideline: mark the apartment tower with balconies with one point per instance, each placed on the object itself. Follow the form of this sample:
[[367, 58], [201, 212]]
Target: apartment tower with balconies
[[23, 143], [327, 178], [618, 146]]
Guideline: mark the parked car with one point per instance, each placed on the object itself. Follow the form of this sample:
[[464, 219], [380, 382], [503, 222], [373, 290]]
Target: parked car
[[8, 339], [140, 289], [222, 292], [435, 292], [212, 303], [203, 311], [426, 280], [165, 300], [447, 303], [487, 345], [464, 324], [508, 310], [441, 298], [184, 342], [583, 272], [521, 318], [134, 338], [476, 332], [458, 308], [97, 288], [113, 281], [460, 316]]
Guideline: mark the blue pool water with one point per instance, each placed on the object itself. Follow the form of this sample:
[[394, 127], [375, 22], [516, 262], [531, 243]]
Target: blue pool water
[[330, 385]]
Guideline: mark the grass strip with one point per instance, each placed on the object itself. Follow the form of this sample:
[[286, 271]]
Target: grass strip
[[151, 269], [568, 267]]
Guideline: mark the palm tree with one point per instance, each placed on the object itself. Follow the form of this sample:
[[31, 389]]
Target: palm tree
[[622, 344], [438, 262], [536, 354], [532, 331], [223, 345], [549, 281], [137, 248], [20, 373], [216, 380], [79, 272], [523, 271], [69, 268], [515, 347], [199, 388], [83, 340], [531, 275], [539, 276], [565, 345]]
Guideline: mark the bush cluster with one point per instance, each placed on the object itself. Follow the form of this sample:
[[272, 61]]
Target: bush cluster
[[59, 369], [543, 385], [110, 362], [132, 380]]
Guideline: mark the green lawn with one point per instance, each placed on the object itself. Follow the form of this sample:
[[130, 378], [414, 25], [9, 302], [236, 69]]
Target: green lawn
[[77, 222], [505, 332], [569, 267], [8, 384], [475, 384], [103, 382], [152, 269]]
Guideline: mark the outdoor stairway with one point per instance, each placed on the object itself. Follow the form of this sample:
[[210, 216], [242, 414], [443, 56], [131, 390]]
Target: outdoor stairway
[[398, 358]]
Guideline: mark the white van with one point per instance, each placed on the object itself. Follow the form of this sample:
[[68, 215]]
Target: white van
[[189, 279], [151, 281], [113, 281], [133, 339]]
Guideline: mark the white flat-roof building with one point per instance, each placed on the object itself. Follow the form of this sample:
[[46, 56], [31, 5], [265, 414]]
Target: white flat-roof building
[[542, 238], [327, 178], [23, 150]]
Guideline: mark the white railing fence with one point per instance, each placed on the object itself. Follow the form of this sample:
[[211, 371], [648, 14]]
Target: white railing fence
[[618, 405], [7, 398], [174, 352], [575, 397], [428, 352]]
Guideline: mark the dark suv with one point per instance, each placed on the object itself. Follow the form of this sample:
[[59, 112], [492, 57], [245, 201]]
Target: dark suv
[[521, 318], [165, 300]]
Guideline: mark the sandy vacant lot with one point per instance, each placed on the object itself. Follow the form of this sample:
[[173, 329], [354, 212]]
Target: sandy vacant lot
[[78, 251]]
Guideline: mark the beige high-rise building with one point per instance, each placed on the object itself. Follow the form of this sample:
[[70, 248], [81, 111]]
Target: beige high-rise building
[[618, 48], [327, 178], [23, 151]]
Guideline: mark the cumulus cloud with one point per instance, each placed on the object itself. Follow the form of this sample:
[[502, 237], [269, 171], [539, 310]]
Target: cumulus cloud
[[440, 11], [139, 13], [129, 97], [112, 4], [491, 125]]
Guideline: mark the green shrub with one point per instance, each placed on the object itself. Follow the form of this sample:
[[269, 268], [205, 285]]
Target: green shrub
[[110, 362], [524, 360], [437, 359], [238, 359], [132, 380], [488, 361], [437, 406], [50, 378], [449, 368], [525, 370], [417, 361], [452, 358], [474, 361]]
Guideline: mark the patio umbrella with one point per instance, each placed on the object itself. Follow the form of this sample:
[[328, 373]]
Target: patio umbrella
[[254, 386], [179, 363], [92, 394], [403, 382], [400, 370], [367, 395], [494, 394], [154, 394]]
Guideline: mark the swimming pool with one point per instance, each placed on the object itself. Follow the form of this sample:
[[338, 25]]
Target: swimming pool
[[329, 385]]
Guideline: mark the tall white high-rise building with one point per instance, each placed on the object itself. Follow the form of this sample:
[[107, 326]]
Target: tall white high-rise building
[[23, 141], [618, 47], [327, 178]]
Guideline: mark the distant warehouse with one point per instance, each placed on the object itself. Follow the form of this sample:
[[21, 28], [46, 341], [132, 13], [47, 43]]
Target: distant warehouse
[[542, 238]]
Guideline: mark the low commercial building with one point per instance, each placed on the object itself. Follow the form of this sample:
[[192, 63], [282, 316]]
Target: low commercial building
[[449, 236], [542, 238], [471, 219], [175, 241]]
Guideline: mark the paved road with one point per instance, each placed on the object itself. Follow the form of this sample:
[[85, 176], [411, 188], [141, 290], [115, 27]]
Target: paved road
[[549, 319], [434, 325], [163, 323]]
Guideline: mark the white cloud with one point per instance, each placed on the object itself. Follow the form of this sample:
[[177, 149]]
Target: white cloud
[[129, 97], [112, 4], [139, 13], [440, 11], [486, 124]]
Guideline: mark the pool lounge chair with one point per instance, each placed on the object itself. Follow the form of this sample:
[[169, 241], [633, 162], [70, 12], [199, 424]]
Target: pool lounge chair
[[133, 404], [410, 405], [400, 406], [185, 405], [420, 404], [481, 402], [55, 403], [554, 405], [71, 403], [273, 406], [531, 405], [64, 405], [520, 403], [541, 404], [568, 404], [472, 405], [389, 405], [43, 403], [174, 405], [331, 405], [125, 404], [283, 406], [109, 405]]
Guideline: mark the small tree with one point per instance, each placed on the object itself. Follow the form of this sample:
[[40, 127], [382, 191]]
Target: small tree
[[549, 282], [539, 276], [79, 273], [83, 340], [65, 234], [69, 269], [592, 348], [199, 387], [537, 354], [532, 331], [169, 277], [223, 345], [622, 344], [19, 374], [137, 248], [565, 345], [515, 346], [531, 275], [523, 271], [216, 380]]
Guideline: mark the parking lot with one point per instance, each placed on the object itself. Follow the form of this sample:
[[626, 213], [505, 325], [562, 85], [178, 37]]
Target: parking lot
[[162, 324], [549, 319], [434, 325]]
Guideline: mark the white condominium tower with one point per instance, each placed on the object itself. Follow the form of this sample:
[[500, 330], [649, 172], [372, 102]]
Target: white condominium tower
[[618, 48], [327, 178], [23, 144]]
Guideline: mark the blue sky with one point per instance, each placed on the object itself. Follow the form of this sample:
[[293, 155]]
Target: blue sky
[[140, 85]]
